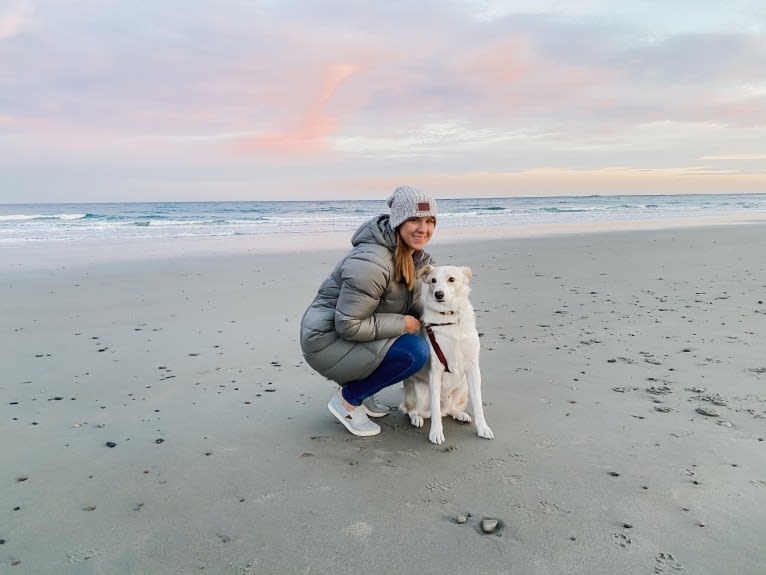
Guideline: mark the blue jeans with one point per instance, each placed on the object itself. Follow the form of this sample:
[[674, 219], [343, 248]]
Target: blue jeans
[[408, 354]]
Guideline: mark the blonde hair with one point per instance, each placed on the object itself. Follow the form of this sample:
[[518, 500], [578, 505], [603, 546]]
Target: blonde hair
[[404, 265]]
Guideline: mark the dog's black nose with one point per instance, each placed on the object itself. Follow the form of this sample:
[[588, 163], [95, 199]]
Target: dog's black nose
[[439, 295]]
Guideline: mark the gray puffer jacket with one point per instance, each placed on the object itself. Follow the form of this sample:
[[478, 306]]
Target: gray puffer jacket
[[359, 309]]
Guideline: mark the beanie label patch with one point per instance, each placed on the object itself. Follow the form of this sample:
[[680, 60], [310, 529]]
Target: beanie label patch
[[424, 207]]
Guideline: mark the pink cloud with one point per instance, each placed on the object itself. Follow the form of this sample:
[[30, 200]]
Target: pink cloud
[[503, 62], [515, 79], [15, 20], [313, 123]]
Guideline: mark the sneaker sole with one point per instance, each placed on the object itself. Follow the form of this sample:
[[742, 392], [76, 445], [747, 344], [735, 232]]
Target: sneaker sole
[[347, 425], [371, 413]]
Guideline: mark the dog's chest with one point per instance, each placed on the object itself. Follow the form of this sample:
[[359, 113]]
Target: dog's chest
[[459, 346]]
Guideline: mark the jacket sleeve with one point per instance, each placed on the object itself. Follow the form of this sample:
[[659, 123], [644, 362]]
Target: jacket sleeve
[[416, 309], [363, 283]]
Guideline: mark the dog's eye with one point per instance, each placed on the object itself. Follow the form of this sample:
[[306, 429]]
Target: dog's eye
[[450, 280], [433, 280]]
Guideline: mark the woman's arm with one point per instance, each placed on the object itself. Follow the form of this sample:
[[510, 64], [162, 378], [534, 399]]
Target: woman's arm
[[363, 283]]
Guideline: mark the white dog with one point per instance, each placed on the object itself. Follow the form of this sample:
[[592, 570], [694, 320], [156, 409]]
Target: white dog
[[452, 373]]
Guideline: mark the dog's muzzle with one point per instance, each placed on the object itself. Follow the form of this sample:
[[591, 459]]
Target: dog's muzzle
[[438, 295]]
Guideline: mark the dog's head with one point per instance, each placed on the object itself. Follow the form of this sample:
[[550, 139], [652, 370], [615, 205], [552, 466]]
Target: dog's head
[[445, 284]]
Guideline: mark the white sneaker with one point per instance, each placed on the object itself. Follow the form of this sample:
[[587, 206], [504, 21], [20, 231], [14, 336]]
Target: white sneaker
[[373, 407], [356, 421]]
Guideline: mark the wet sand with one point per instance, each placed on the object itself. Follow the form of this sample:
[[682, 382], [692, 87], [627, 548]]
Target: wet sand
[[157, 417]]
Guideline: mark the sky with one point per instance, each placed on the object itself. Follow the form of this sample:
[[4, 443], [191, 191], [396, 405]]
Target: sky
[[197, 100]]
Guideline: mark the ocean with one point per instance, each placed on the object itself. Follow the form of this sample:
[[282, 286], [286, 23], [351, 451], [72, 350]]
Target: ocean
[[40, 224]]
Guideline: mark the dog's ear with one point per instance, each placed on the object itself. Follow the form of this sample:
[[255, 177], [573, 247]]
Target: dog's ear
[[425, 270], [467, 273]]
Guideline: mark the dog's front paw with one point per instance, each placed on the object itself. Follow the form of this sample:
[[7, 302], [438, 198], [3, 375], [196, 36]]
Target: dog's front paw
[[485, 432], [417, 420], [436, 436]]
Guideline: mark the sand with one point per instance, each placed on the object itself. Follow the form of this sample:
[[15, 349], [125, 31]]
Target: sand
[[157, 417]]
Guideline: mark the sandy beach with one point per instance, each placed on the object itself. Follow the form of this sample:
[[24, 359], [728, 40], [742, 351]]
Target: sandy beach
[[157, 417]]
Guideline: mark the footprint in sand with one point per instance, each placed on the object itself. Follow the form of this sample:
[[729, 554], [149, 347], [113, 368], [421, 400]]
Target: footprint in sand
[[490, 464], [359, 530], [546, 444], [550, 508], [665, 562], [439, 486], [621, 539], [512, 479], [517, 457]]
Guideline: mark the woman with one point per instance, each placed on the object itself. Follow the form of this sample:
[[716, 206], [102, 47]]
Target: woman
[[362, 329]]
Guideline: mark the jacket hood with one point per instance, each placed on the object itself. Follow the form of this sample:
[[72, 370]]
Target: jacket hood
[[378, 231], [375, 231]]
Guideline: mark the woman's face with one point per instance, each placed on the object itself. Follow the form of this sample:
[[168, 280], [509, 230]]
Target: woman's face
[[416, 232]]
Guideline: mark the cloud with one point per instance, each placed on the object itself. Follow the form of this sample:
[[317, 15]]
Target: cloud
[[312, 126], [465, 87], [248, 69], [736, 157], [553, 181], [16, 20]]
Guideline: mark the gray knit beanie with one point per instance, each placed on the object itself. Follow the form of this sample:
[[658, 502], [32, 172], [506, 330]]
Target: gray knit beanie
[[408, 202]]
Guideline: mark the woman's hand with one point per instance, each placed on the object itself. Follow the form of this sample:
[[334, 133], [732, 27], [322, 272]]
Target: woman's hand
[[411, 324]]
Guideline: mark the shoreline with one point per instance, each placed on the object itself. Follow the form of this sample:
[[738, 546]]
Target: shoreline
[[47, 255]]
